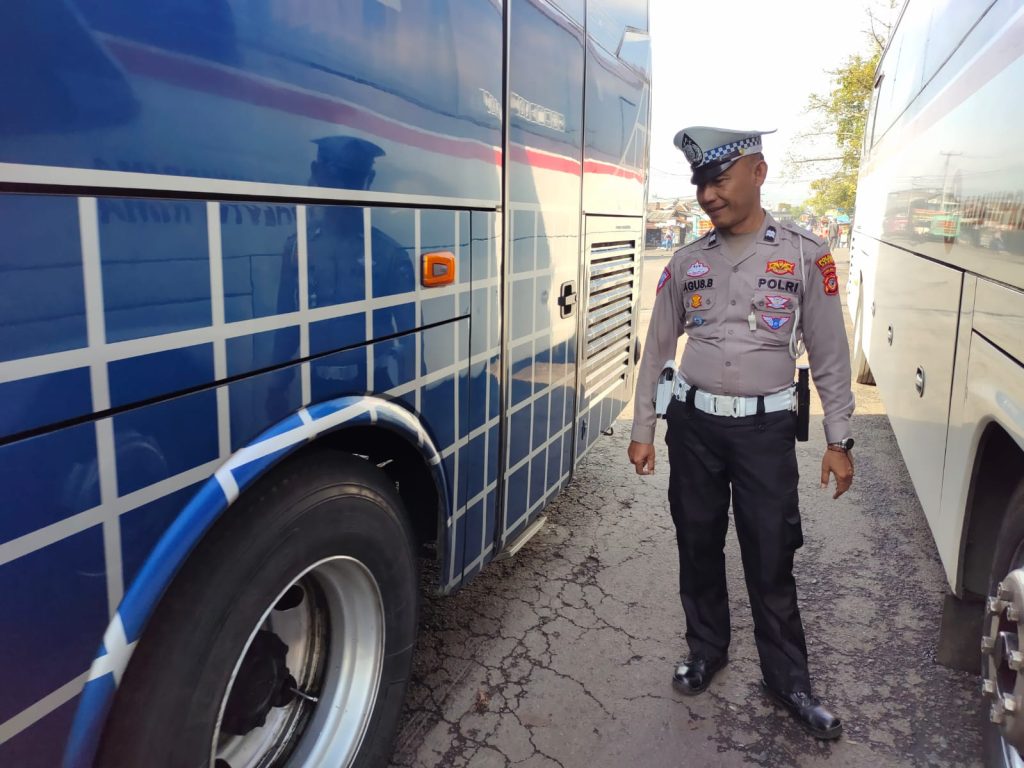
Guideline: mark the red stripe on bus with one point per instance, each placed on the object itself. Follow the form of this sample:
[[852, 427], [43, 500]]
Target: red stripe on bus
[[221, 81]]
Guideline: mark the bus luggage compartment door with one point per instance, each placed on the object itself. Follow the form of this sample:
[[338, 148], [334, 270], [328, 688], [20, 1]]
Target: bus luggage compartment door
[[913, 344]]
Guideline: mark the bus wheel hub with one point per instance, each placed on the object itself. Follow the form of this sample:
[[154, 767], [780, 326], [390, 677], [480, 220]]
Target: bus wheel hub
[[263, 682], [1003, 659]]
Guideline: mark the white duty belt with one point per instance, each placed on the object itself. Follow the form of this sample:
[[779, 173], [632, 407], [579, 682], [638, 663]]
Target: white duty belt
[[736, 407]]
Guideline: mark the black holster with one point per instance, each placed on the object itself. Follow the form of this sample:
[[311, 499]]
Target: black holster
[[803, 402]]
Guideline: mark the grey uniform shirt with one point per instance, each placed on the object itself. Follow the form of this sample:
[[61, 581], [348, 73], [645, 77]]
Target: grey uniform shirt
[[738, 307]]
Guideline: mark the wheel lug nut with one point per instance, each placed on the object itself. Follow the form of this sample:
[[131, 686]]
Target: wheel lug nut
[[988, 687], [996, 605], [987, 644], [1004, 592], [1012, 614], [1016, 660], [995, 714], [1010, 703]]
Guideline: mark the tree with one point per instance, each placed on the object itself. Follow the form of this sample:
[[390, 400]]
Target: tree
[[841, 116]]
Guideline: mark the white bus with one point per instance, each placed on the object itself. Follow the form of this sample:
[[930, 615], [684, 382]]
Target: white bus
[[936, 292]]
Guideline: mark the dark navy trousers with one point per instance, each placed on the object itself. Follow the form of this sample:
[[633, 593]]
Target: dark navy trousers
[[752, 461]]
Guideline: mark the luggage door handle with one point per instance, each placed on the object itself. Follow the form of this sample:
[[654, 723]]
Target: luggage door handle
[[567, 298]]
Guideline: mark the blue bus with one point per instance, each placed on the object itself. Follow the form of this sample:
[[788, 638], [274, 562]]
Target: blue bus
[[291, 293]]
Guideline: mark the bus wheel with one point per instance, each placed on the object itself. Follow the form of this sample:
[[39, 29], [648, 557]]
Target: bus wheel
[[1002, 661], [286, 639], [861, 369]]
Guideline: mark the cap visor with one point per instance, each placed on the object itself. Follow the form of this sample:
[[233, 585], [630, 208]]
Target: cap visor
[[706, 173]]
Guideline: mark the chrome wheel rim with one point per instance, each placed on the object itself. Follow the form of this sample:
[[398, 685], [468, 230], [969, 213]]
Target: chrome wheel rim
[[327, 628]]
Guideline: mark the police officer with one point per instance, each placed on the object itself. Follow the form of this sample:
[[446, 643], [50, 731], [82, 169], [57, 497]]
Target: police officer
[[748, 295]]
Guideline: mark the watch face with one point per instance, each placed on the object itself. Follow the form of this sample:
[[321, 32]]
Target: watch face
[[848, 443]]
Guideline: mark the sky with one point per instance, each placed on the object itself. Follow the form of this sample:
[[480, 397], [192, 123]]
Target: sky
[[746, 64]]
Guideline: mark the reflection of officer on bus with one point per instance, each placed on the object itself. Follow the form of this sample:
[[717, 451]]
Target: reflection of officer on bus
[[334, 240], [335, 232], [748, 295]]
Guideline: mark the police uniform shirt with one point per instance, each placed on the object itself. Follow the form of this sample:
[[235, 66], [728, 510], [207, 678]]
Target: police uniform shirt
[[738, 309]]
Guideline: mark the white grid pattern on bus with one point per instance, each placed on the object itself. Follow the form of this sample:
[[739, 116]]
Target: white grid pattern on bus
[[99, 352], [567, 380]]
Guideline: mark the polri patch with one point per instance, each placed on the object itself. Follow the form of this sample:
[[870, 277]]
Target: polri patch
[[666, 275], [697, 269], [774, 321], [831, 285], [780, 267], [777, 302], [775, 284], [825, 262], [770, 234], [696, 301]]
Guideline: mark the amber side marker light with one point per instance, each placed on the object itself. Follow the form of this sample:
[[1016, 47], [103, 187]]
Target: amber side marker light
[[438, 269]]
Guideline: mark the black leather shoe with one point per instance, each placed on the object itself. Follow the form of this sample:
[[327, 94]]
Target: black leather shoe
[[809, 712], [694, 675]]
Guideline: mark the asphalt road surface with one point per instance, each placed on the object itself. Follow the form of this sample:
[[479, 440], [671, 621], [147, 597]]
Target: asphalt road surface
[[563, 655]]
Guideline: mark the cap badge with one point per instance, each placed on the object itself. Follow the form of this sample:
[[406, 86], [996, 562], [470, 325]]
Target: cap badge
[[694, 154]]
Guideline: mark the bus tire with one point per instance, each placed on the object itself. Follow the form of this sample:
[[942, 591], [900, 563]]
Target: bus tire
[[861, 370], [1008, 555], [306, 589]]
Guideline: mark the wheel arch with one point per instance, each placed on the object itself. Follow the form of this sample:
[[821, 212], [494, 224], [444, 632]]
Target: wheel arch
[[364, 425], [998, 469]]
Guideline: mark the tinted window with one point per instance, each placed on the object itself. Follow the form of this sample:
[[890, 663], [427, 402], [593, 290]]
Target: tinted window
[[607, 20], [903, 65], [951, 21]]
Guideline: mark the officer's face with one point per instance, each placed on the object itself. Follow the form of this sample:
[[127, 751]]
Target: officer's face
[[732, 196]]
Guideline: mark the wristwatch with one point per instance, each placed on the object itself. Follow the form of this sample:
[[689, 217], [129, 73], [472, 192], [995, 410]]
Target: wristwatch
[[843, 445]]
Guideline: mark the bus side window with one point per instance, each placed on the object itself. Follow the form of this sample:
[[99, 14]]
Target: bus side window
[[869, 139], [902, 67], [951, 21]]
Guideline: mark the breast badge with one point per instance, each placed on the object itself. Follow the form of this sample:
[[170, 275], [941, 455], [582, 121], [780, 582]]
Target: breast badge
[[775, 322], [697, 269], [780, 267]]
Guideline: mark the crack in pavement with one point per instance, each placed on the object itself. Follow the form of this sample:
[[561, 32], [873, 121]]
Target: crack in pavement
[[563, 655]]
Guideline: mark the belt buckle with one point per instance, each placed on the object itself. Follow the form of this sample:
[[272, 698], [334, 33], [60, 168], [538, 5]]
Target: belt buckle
[[733, 408]]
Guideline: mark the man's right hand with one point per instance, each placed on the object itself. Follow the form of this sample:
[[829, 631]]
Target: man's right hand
[[641, 456]]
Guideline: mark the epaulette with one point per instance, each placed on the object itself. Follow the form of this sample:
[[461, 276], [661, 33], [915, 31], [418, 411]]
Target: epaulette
[[702, 240], [803, 233]]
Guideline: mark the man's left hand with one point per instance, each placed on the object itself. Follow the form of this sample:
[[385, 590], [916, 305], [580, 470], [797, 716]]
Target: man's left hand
[[840, 464]]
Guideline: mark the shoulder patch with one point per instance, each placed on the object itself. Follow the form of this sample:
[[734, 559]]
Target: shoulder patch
[[831, 284], [827, 266], [666, 275]]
